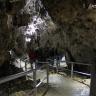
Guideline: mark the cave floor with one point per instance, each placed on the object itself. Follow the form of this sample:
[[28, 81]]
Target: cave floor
[[63, 86], [60, 85]]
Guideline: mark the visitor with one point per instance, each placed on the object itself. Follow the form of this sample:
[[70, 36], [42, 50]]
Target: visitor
[[32, 56]]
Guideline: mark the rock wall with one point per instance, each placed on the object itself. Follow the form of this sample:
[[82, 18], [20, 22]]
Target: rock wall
[[78, 18], [77, 22], [8, 35]]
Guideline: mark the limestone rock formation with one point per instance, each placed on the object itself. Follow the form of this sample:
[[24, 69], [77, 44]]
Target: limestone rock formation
[[77, 19], [8, 9], [77, 24]]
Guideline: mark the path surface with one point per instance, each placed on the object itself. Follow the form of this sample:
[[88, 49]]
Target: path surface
[[61, 86]]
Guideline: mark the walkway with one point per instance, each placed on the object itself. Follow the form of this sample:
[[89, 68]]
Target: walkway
[[61, 86]]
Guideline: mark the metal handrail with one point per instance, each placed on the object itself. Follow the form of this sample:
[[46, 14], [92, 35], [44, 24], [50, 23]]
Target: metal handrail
[[77, 63], [18, 75], [87, 74], [72, 62], [72, 67], [15, 76]]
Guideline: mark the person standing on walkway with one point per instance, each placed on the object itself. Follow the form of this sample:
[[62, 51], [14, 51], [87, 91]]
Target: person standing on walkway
[[32, 56]]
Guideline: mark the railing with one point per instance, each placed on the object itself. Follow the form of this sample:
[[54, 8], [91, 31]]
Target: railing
[[15, 76], [77, 63], [34, 70], [72, 67]]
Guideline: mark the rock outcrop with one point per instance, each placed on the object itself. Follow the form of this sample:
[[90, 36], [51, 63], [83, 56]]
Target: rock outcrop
[[77, 19], [77, 24], [8, 10]]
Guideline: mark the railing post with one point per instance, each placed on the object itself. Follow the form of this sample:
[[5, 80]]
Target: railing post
[[47, 65], [20, 63], [26, 69], [72, 70], [34, 79], [57, 66], [25, 66]]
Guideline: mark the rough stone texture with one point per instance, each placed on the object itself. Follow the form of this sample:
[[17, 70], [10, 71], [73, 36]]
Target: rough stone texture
[[8, 9], [21, 93], [78, 27], [73, 16], [78, 22]]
